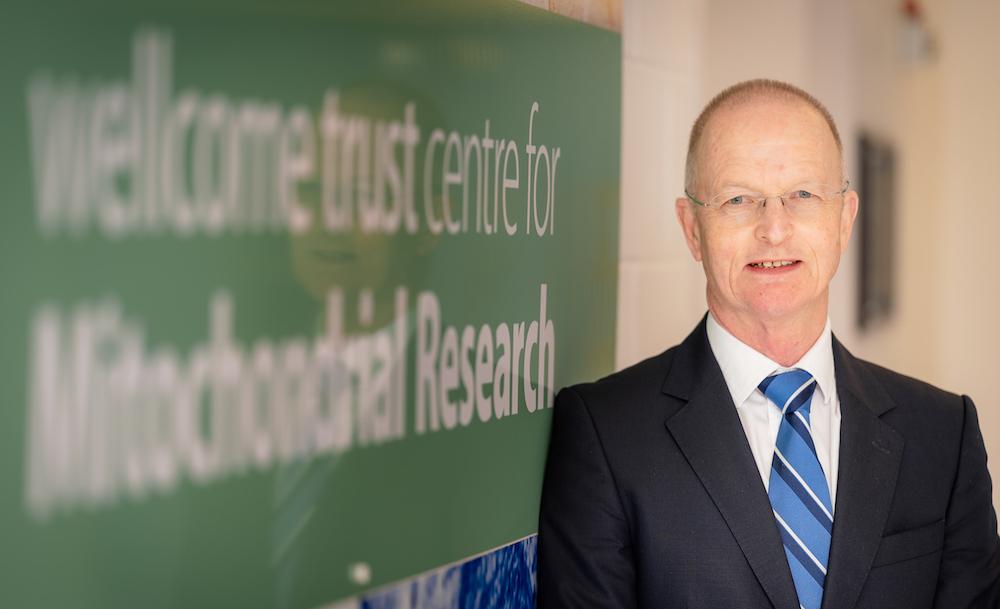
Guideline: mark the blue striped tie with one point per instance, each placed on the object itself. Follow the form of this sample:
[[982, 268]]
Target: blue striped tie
[[798, 489]]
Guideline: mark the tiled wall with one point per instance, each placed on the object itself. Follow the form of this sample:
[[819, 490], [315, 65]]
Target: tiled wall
[[661, 288]]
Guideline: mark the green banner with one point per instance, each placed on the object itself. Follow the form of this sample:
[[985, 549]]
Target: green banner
[[287, 288]]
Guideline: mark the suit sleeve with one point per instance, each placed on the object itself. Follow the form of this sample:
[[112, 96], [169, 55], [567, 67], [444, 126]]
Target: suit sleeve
[[584, 549], [970, 565]]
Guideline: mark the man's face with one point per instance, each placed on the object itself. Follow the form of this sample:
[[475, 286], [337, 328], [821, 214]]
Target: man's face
[[768, 147]]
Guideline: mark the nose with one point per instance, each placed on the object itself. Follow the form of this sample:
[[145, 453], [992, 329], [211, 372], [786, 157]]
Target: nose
[[774, 223]]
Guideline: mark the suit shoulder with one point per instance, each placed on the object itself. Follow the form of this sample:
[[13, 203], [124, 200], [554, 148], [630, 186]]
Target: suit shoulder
[[629, 385], [908, 391]]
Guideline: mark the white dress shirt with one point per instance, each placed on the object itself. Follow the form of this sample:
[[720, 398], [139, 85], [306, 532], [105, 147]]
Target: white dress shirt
[[744, 369]]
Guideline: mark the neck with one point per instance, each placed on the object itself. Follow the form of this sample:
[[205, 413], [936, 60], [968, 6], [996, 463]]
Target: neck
[[784, 340]]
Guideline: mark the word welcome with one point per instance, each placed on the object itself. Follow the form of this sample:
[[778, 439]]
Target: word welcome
[[124, 158]]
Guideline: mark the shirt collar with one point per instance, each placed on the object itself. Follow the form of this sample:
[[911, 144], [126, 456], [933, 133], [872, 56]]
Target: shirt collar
[[744, 368]]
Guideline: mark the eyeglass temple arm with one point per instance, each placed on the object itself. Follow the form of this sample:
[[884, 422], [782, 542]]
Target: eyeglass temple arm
[[692, 199]]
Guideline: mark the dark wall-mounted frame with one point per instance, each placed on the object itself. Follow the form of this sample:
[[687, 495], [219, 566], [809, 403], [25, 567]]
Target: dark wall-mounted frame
[[876, 228]]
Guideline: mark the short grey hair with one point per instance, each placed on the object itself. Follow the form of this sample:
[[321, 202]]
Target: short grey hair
[[744, 92]]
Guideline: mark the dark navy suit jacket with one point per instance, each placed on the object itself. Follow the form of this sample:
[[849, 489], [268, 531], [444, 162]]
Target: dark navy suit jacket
[[652, 499]]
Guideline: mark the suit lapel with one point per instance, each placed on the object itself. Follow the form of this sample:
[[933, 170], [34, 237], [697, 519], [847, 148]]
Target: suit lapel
[[870, 453], [708, 431]]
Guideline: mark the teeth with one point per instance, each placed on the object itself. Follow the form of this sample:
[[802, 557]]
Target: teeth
[[771, 265]]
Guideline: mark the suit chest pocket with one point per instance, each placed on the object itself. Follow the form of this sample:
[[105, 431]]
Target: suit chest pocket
[[911, 543]]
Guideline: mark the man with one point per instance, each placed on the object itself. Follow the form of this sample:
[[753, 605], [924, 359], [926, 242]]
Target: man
[[759, 464]]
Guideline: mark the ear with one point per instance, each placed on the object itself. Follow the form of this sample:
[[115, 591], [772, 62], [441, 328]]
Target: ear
[[848, 215], [688, 220]]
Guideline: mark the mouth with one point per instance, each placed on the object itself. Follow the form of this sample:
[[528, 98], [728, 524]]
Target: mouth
[[774, 265]]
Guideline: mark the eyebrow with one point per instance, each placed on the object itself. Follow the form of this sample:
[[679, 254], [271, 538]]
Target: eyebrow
[[792, 185]]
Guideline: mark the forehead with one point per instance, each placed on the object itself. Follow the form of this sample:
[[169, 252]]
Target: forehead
[[769, 142]]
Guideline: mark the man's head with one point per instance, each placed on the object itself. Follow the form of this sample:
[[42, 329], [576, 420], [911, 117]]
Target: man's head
[[766, 138]]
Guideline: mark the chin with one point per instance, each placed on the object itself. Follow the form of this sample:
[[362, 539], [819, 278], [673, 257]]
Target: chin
[[776, 307]]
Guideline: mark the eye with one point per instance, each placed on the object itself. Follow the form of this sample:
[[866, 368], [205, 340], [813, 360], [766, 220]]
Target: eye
[[803, 194], [737, 202]]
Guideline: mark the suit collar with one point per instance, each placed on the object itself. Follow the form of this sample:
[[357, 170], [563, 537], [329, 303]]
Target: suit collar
[[707, 430], [692, 365], [690, 371], [853, 376], [870, 455]]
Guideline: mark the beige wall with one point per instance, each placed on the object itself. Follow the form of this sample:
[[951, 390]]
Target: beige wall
[[661, 291], [968, 282]]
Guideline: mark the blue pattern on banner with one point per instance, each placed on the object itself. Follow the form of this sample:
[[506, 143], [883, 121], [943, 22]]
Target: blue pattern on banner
[[501, 579]]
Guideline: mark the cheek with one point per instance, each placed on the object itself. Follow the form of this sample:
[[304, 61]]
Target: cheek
[[721, 258], [726, 246], [828, 251]]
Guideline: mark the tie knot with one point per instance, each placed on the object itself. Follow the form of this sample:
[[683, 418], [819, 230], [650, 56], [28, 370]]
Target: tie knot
[[789, 390]]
